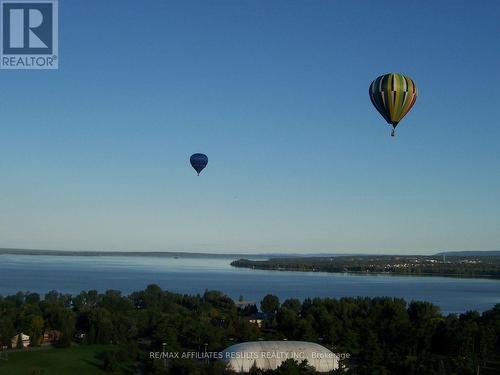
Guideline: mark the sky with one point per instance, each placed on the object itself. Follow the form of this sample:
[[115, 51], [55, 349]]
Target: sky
[[95, 155]]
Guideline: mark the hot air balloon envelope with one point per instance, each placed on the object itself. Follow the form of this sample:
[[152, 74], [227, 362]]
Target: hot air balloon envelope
[[393, 95], [198, 162]]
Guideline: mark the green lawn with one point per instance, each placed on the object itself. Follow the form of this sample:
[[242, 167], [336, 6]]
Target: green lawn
[[78, 360]]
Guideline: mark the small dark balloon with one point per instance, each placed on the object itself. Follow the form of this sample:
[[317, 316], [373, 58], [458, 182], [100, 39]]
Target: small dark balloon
[[199, 162]]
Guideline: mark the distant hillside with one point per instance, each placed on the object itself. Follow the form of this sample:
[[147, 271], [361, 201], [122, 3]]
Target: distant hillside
[[167, 254], [473, 253]]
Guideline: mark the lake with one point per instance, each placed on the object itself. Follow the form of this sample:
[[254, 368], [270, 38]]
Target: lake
[[192, 275]]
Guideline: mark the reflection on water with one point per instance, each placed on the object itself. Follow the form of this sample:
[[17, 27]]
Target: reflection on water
[[192, 275]]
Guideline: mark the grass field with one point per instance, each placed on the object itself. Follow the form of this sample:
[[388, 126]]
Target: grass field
[[78, 360]]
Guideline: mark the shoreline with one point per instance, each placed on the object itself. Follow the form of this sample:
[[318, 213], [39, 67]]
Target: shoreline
[[361, 273], [485, 267]]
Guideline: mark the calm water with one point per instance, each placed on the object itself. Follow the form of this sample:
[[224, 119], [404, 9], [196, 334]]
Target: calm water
[[193, 275]]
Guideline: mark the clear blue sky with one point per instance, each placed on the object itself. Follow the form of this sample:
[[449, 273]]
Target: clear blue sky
[[95, 155]]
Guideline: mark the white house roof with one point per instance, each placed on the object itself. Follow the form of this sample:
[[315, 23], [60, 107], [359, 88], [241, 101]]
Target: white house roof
[[268, 355], [23, 336]]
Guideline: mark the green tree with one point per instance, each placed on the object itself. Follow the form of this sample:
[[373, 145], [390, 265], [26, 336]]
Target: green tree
[[36, 330], [292, 367], [292, 304], [7, 330], [19, 344], [270, 304]]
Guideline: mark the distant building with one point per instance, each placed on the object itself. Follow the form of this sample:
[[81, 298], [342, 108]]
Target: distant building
[[50, 337], [257, 319], [269, 355], [21, 336]]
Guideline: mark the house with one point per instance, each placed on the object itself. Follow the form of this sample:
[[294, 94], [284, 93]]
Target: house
[[257, 318], [50, 337], [21, 336]]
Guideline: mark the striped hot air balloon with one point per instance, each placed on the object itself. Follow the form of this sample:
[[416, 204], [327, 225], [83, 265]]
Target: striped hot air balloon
[[393, 95]]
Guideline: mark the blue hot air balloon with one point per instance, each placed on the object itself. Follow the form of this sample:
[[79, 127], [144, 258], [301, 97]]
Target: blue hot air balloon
[[199, 162]]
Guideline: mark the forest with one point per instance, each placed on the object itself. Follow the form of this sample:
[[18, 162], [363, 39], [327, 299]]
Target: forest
[[460, 266], [381, 335]]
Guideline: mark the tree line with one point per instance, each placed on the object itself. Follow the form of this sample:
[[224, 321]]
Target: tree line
[[382, 335], [483, 266]]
